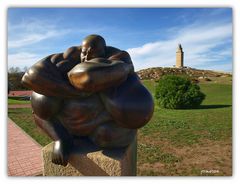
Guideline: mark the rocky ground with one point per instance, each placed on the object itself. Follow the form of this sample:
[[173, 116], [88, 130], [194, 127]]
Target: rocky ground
[[158, 72]]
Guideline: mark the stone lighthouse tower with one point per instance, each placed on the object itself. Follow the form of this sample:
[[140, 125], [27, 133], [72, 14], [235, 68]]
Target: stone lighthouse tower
[[179, 56]]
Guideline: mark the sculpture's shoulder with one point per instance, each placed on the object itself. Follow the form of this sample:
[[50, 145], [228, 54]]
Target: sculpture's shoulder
[[73, 53], [113, 53]]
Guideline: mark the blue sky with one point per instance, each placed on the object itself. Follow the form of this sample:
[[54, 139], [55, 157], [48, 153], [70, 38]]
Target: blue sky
[[150, 35]]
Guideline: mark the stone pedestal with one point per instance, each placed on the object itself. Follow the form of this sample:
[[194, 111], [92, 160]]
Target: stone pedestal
[[88, 160]]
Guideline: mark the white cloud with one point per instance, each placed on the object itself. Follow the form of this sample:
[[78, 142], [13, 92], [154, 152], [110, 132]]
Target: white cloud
[[198, 42], [32, 38], [23, 35], [31, 31], [22, 59]]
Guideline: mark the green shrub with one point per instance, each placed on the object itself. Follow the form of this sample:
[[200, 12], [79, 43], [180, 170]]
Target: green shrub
[[175, 92]]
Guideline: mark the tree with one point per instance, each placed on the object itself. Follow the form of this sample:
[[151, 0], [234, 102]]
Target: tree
[[14, 79], [14, 70]]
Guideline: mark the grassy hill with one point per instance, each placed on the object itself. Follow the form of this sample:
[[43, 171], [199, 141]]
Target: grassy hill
[[176, 142]]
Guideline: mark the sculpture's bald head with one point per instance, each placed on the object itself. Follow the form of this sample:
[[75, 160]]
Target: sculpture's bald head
[[93, 46]]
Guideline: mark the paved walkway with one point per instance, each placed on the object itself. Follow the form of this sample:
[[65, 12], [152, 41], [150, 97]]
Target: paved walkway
[[24, 154]]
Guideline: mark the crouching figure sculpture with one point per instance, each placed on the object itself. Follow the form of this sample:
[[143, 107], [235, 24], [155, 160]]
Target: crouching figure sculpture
[[88, 91]]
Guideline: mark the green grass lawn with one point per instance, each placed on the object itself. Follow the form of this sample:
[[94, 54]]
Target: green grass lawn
[[163, 142], [14, 101], [23, 118], [175, 142], [214, 118]]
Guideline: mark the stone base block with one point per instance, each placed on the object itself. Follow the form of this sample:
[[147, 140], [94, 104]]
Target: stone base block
[[88, 160]]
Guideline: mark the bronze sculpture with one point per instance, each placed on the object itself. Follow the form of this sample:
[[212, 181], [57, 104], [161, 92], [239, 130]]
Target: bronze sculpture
[[88, 91]]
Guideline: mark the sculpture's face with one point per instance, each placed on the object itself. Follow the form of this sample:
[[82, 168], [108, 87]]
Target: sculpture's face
[[91, 50]]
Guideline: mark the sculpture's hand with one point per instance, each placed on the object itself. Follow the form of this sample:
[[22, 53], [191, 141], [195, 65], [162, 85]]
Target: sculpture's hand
[[60, 154]]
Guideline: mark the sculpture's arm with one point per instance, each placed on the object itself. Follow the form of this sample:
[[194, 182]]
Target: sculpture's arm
[[45, 78], [122, 56], [67, 60], [99, 73]]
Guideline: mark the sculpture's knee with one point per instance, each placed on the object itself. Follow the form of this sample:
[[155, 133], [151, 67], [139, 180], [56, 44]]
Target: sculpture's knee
[[102, 136], [111, 136], [45, 107], [131, 105]]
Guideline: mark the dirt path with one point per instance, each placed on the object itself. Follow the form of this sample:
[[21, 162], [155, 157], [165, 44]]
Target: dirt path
[[13, 106]]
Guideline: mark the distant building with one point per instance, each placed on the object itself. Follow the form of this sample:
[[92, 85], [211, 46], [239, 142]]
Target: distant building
[[179, 57]]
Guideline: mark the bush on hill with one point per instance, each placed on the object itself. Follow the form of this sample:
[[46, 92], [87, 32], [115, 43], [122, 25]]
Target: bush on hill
[[176, 92]]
